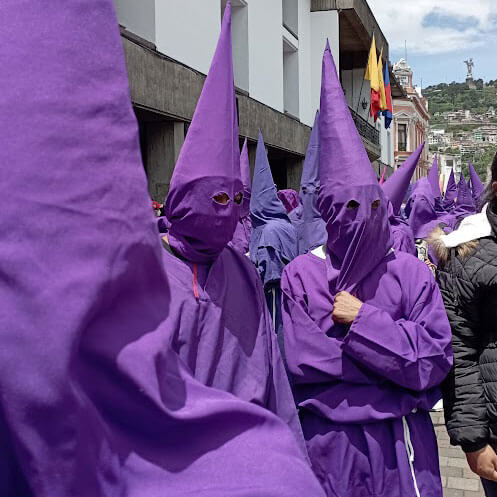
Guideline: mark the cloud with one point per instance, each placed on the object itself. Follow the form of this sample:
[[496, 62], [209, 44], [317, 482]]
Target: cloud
[[431, 27]]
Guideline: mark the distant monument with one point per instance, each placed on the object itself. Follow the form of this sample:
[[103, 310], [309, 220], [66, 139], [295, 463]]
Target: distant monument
[[469, 78]]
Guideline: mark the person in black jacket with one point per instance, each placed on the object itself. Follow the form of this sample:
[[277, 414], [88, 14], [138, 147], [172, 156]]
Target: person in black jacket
[[467, 275]]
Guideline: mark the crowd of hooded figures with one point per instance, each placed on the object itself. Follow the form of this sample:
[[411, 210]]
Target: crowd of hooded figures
[[260, 343]]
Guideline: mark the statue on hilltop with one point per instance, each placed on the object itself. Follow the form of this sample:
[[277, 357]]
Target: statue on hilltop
[[469, 78]]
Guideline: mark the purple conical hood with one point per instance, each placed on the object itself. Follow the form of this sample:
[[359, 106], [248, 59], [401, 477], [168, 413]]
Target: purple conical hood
[[477, 185], [434, 179], [271, 225], [350, 200], [312, 229], [395, 188], [450, 192], [465, 205], [264, 203], [208, 165], [247, 183], [420, 209], [343, 160]]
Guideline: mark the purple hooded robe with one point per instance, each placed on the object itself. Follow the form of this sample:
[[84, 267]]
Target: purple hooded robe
[[421, 211], [465, 204], [434, 180], [273, 243], [477, 187], [223, 328], [395, 189], [450, 193], [94, 401], [364, 391], [289, 198], [312, 230], [241, 238]]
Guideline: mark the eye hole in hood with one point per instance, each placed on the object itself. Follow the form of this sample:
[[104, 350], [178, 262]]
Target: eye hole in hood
[[221, 198]]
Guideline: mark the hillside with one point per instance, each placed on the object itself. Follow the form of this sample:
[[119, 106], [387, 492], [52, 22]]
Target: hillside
[[456, 96]]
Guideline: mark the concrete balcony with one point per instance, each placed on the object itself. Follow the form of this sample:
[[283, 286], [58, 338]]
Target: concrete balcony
[[369, 134]]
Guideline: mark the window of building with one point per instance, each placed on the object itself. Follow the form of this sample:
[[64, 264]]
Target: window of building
[[290, 78], [291, 16], [450, 164], [402, 137], [240, 40]]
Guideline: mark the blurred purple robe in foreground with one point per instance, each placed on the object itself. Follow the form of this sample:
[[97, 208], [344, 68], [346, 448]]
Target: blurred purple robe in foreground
[[94, 401]]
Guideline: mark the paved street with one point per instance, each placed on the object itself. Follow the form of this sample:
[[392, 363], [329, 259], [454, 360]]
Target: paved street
[[457, 479]]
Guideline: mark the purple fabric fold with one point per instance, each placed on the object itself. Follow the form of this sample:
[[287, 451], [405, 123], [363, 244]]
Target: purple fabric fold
[[100, 405]]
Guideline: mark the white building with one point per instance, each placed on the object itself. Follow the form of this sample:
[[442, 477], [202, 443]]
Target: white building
[[277, 50], [447, 162]]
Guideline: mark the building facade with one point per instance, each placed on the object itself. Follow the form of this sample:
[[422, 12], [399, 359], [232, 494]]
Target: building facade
[[277, 52], [411, 121], [446, 163]]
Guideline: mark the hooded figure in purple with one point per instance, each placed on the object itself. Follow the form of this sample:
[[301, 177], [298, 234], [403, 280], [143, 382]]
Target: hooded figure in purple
[[312, 230], [273, 243], [450, 192], [465, 204], [477, 187], [434, 180], [395, 189], [95, 403], [224, 331], [289, 198], [366, 333], [241, 238]]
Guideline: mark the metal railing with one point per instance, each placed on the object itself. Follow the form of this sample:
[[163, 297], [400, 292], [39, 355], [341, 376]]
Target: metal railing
[[365, 129]]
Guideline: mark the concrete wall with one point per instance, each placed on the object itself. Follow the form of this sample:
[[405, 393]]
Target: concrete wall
[[137, 17], [323, 25], [266, 52], [386, 141], [291, 93], [306, 111], [291, 15], [187, 30], [240, 33]]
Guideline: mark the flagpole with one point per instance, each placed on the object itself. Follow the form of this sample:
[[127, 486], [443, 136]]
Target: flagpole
[[363, 79]]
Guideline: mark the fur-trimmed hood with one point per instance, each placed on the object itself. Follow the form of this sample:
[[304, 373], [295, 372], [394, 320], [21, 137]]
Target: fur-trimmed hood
[[465, 239], [442, 252]]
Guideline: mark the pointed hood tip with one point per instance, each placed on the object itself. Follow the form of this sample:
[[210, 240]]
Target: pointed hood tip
[[264, 202], [395, 188], [343, 158], [215, 115]]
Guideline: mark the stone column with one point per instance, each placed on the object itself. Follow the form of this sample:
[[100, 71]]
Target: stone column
[[252, 149], [294, 167], [164, 140]]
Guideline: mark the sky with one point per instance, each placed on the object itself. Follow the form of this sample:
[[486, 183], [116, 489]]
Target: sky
[[440, 36]]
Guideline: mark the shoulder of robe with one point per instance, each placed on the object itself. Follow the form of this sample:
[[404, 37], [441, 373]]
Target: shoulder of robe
[[295, 271], [244, 262], [408, 264]]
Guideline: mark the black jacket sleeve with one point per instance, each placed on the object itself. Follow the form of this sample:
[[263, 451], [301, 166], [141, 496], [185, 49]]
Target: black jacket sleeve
[[463, 392]]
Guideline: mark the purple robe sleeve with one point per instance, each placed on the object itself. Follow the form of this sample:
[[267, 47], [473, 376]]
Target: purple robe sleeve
[[414, 352], [270, 264], [403, 241], [311, 355], [280, 397]]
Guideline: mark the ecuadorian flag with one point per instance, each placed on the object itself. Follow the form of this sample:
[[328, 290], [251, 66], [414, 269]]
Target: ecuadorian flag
[[372, 76], [388, 112]]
